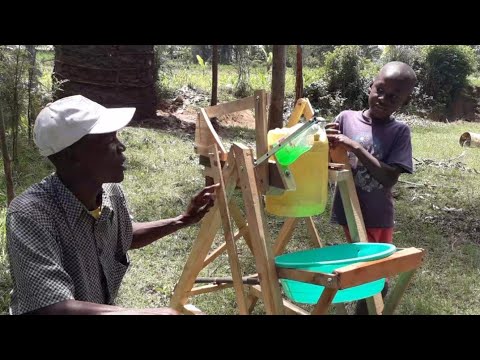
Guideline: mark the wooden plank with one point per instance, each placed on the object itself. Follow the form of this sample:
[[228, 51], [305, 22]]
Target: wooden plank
[[280, 178], [400, 286], [241, 223], [262, 251], [203, 243], [284, 235], [312, 277], [353, 212], [360, 273], [190, 309], [308, 110], [223, 201], [201, 246], [375, 304], [324, 302], [336, 166], [289, 308], [220, 249], [261, 130], [230, 107], [297, 112], [340, 156], [208, 288], [213, 138], [312, 231]]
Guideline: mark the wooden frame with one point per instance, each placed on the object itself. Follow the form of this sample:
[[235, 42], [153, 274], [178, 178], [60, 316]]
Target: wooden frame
[[236, 169]]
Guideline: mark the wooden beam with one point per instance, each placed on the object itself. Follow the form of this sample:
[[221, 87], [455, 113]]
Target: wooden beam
[[400, 286], [280, 178], [263, 254], [223, 201], [284, 235], [289, 308], [220, 249], [230, 107], [297, 112], [375, 304], [312, 231], [204, 121], [312, 277], [241, 223], [209, 227], [351, 206], [190, 309], [261, 130], [308, 110], [324, 302], [208, 288], [363, 272]]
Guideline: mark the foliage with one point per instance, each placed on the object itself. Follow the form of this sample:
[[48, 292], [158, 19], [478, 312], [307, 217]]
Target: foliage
[[444, 72]]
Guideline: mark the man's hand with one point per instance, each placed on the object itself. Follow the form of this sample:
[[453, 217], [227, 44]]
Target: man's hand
[[200, 204]]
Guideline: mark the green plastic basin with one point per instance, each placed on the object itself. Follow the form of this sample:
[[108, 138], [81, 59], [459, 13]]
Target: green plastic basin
[[326, 260]]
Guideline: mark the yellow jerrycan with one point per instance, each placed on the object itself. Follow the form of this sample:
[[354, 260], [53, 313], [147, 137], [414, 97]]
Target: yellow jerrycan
[[310, 172]]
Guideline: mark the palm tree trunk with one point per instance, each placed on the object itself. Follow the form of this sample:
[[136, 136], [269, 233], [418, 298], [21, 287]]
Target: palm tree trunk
[[112, 75]]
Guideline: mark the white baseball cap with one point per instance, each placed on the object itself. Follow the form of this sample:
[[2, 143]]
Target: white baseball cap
[[65, 121]]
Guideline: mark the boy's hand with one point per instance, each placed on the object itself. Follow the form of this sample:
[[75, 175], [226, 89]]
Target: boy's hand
[[332, 128], [342, 141], [200, 204]]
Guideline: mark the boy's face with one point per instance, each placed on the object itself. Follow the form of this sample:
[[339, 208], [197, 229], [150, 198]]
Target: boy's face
[[387, 95]]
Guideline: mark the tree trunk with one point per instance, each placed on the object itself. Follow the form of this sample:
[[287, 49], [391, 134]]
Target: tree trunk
[[275, 114], [112, 75], [214, 99], [226, 54], [299, 75], [31, 86], [7, 161]]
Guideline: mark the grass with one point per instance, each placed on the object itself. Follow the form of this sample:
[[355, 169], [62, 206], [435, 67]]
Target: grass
[[174, 77]]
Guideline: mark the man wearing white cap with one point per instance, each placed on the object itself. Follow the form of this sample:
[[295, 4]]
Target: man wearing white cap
[[68, 236]]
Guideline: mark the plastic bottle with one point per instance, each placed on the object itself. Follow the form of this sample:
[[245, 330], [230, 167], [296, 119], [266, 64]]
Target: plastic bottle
[[297, 147]]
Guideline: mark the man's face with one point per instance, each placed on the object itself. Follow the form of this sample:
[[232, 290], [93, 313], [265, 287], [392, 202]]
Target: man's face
[[386, 96], [100, 157]]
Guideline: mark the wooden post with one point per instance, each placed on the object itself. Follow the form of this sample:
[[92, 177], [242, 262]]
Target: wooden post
[[260, 237], [228, 232]]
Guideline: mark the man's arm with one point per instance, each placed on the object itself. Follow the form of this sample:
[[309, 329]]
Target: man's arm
[[146, 233], [75, 307]]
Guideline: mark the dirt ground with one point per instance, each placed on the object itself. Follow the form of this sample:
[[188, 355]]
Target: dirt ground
[[181, 113]]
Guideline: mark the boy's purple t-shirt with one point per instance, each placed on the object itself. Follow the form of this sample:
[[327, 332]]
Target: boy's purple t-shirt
[[391, 144]]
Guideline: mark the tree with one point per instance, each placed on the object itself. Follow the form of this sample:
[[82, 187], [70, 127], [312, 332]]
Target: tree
[[112, 75], [214, 75], [32, 83], [7, 161], [275, 114], [299, 75]]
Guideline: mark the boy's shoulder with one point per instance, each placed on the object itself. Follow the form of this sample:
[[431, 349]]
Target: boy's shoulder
[[400, 124], [349, 113]]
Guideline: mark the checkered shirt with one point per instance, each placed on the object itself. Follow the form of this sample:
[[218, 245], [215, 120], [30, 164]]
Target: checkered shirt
[[58, 251]]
